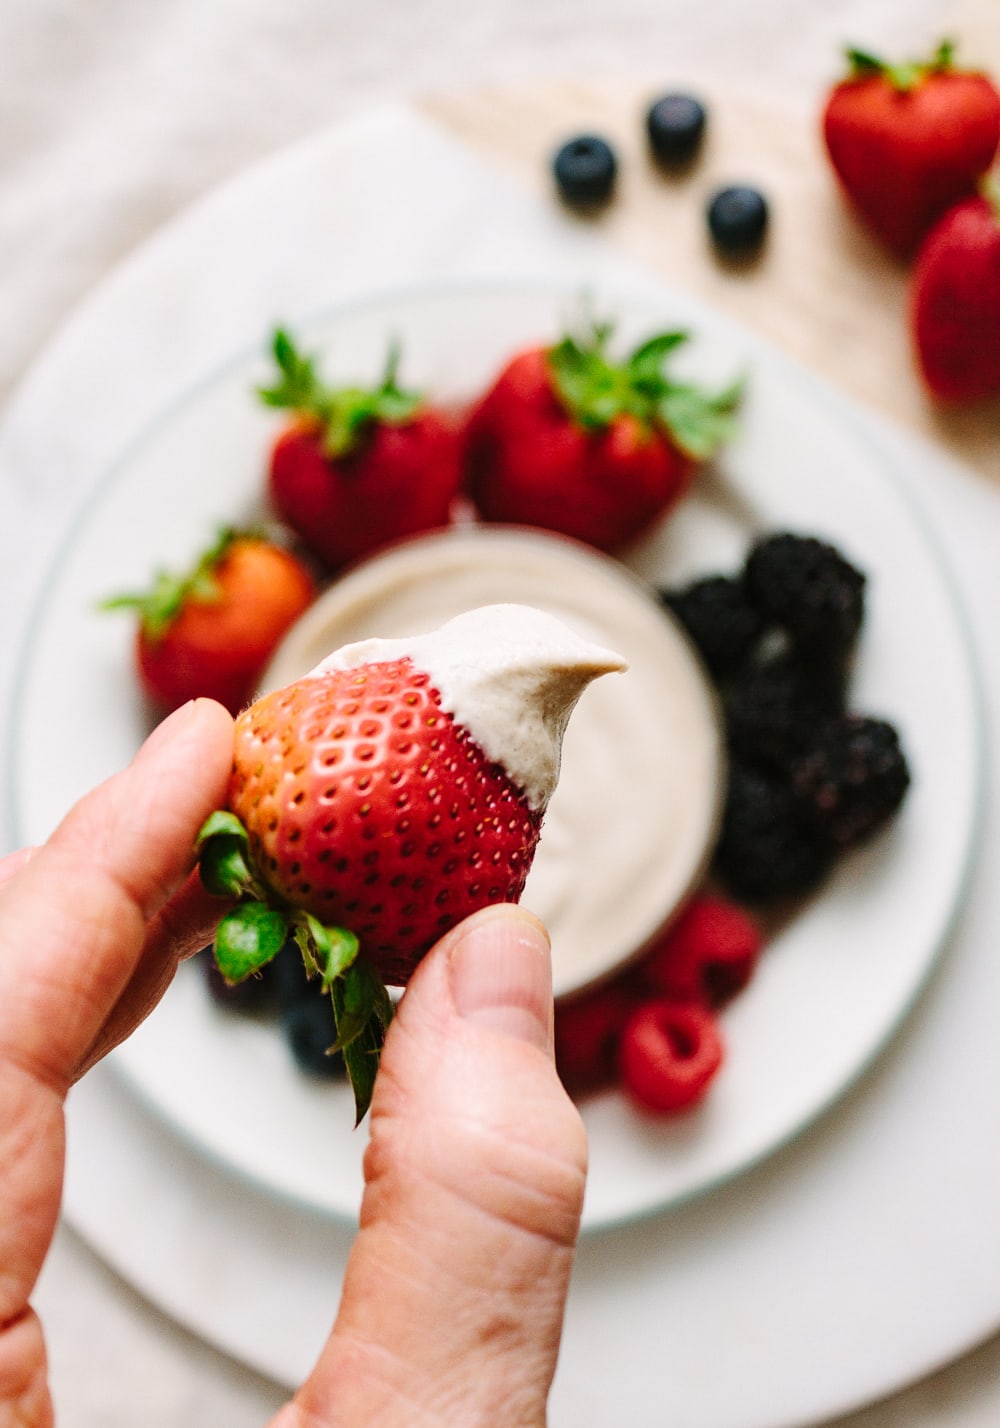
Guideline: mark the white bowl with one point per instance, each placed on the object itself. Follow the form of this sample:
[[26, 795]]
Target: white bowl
[[632, 823]]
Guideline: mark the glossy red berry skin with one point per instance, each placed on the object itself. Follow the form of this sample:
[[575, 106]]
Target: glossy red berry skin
[[399, 481], [373, 809]]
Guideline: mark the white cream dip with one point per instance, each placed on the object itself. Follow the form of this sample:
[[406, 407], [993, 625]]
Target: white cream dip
[[631, 823], [511, 675]]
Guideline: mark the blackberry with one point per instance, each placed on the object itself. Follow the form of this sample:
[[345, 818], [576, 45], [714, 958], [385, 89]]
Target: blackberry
[[764, 854], [719, 619], [774, 710], [810, 589], [852, 782]]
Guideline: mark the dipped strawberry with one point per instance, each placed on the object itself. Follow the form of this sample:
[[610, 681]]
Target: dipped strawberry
[[571, 441], [390, 793], [909, 140], [210, 631], [357, 468], [955, 301]]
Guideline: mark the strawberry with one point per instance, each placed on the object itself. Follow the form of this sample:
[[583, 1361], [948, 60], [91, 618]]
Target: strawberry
[[908, 141], [384, 797], [210, 631], [955, 301], [568, 440], [357, 469]]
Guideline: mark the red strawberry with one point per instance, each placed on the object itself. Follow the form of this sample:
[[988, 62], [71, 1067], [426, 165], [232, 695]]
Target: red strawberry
[[908, 141], [570, 441], [357, 469], [955, 301], [211, 631], [669, 1054], [386, 796], [707, 954]]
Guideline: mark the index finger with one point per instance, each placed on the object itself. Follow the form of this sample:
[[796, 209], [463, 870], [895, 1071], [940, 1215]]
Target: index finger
[[73, 919]]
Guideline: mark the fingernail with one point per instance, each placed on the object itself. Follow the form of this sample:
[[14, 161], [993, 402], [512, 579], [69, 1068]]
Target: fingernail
[[172, 726], [501, 974]]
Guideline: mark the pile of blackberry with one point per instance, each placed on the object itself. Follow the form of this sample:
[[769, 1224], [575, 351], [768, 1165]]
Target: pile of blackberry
[[809, 778]]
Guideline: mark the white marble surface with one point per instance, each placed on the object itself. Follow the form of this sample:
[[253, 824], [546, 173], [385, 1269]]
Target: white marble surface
[[114, 116]]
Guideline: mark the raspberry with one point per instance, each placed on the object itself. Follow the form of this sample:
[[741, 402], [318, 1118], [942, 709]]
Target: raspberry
[[773, 710], [764, 853], [587, 1033], [669, 1053], [809, 588], [708, 954], [852, 782], [719, 620]]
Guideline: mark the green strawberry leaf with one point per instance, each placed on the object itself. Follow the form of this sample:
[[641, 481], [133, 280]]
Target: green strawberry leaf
[[903, 75], [327, 951], [223, 849], [645, 365], [343, 414], [700, 422], [248, 938], [595, 391], [361, 1060], [159, 606]]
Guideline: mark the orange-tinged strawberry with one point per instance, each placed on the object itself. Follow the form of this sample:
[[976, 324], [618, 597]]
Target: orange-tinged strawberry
[[378, 801], [211, 631], [909, 140]]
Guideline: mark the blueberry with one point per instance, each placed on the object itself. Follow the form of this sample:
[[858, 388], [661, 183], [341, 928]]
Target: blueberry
[[737, 220], [675, 125], [585, 170], [310, 1031]]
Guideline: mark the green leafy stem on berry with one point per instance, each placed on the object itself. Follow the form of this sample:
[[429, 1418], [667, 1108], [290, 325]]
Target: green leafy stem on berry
[[596, 391], [160, 605], [342, 413], [908, 73], [258, 926]]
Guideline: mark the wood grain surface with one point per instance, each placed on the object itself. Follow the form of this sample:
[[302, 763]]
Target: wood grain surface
[[822, 290]]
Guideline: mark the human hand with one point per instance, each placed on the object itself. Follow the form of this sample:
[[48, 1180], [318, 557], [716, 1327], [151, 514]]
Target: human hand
[[453, 1299]]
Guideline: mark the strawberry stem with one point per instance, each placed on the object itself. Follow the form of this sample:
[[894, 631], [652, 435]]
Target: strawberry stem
[[906, 74], [261, 923], [159, 606], [596, 391], [343, 414]]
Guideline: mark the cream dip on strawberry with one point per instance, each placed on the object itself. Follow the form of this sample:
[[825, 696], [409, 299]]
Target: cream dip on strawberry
[[631, 824], [510, 674]]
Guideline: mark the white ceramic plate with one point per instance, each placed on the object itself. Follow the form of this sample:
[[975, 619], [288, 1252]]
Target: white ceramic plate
[[836, 982]]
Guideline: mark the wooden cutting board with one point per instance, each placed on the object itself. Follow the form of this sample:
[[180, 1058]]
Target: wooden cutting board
[[822, 289]]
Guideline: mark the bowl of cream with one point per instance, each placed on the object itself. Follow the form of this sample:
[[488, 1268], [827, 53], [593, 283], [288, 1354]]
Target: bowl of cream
[[631, 825]]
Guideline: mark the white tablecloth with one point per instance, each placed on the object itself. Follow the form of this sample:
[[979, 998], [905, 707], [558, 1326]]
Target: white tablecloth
[[112, 118]]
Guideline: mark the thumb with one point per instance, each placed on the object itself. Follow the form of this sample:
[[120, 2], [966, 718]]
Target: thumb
[[453, 1300]]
